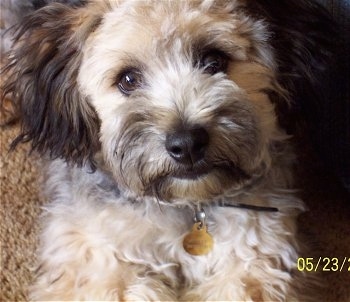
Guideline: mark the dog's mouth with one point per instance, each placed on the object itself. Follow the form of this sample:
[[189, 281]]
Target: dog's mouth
[[199, 182], [196, 172], [192, 173], [212, 179]]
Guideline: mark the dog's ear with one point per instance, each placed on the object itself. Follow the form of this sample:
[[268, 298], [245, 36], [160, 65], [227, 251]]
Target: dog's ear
[[304, 37], [41, 78]]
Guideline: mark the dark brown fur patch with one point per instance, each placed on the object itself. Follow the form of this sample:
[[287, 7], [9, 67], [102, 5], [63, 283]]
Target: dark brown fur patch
[[303, 36], [42, 82]]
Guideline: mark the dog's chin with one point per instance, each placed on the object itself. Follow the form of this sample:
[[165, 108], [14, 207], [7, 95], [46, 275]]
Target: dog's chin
[[200, 184]]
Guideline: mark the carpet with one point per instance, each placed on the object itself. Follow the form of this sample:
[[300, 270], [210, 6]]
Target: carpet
[[326, 225]]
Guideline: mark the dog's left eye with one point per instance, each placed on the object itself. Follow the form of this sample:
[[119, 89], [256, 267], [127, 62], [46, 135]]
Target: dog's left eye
[[214, 62], [129, 81]]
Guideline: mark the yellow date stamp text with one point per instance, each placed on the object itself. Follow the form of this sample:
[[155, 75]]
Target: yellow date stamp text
[[324, 264]]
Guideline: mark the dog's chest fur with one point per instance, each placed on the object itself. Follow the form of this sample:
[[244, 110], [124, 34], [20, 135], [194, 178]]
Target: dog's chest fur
[[141, 241]]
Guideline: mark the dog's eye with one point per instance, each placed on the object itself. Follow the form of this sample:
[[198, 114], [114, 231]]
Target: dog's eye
[[214, 62], [129, 81]]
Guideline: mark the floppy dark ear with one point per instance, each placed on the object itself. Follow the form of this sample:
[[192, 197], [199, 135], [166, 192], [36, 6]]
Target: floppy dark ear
[[304, 37], [42, 82]]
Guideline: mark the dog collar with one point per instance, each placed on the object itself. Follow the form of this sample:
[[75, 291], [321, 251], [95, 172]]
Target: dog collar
[[249, 207]]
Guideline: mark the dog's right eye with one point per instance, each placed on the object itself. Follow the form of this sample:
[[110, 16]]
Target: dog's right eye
[[129, 81], [214, 61]]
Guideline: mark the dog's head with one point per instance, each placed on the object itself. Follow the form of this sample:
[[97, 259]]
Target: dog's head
[[173, 94]]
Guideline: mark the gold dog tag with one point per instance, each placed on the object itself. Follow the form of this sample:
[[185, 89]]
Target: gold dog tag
[[198, 242]]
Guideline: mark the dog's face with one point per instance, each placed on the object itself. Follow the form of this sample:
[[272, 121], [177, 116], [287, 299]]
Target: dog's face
[[176, 92]]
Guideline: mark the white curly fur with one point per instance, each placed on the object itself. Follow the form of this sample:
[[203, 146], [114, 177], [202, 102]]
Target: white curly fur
[[99, 246]]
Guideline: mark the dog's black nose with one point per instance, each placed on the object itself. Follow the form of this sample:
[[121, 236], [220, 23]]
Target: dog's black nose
[[187, 146]]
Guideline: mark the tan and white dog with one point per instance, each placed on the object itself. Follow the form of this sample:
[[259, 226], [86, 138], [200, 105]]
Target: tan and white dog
[[166, 166]]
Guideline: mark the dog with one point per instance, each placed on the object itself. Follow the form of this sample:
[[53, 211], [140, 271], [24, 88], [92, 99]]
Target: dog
[[167, 153]]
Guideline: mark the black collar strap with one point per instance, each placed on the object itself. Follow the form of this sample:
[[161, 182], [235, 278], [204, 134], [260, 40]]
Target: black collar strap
[[249, 207]]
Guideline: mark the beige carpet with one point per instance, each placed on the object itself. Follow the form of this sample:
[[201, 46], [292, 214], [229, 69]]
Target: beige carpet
[[19, 210], [327, 224]]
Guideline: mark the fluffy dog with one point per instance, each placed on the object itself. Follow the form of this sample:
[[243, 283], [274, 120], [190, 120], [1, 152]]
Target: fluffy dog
[[166, 163]]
